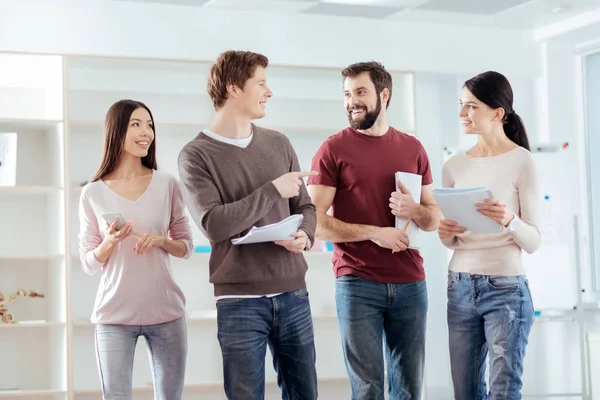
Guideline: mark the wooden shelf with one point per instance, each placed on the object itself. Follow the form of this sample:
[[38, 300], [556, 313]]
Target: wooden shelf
[[31, 257], [9, 124], [35, 190], [11, 394], [28, 325]]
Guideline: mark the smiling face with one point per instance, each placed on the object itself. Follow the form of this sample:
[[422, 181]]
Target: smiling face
[[476, 116], [252, 100], [140, 133], [361, 100]]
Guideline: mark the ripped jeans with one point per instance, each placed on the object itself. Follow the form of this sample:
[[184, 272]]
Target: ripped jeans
[[488, 314]]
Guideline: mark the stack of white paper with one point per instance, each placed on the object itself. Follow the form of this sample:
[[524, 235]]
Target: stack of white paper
[[269, 233], [413, 184], [458, 204]]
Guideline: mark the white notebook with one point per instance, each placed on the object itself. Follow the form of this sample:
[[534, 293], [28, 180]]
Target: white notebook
[[413, 184], [281, 230], [458, 204]]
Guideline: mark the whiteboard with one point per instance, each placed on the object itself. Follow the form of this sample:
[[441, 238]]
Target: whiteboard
[[551, 270]]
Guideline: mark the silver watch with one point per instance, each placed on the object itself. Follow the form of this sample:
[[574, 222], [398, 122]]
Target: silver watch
[[512, 225]]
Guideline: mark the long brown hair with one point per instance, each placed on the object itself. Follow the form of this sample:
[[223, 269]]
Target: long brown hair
[[115, 131]]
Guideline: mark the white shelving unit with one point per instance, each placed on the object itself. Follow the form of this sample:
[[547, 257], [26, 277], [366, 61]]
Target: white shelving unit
[[58, 117], [32, 238]]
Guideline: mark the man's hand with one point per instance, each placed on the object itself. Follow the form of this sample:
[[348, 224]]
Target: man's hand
[[402, 204], [288, 185], [391, 238], [296, 245]]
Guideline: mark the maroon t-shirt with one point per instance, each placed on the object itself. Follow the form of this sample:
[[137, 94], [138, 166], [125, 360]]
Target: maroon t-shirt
[[362, 169]]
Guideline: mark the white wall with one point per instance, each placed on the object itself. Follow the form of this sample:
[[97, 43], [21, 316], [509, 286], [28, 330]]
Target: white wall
[[119, 28], [442, 57], [436, 100], [562, 80], [565, 123]]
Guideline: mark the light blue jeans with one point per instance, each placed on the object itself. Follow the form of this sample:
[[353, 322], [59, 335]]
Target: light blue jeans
[[488, 314], [167, 351], [369, 312]]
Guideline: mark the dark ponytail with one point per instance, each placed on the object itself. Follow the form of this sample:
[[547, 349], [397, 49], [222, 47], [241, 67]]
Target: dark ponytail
[[515, 130], [493, 89]]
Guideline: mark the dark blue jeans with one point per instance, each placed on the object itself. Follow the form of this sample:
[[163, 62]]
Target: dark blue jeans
[[488, 313], [368, 312], [284, 322]]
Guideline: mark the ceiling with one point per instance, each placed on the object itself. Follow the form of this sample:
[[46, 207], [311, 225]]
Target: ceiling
[[519, 14]]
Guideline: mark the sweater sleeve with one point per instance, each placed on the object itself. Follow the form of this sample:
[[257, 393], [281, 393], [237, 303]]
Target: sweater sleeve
[[179, 227], [527, 234], [220, 221], [89, 236]]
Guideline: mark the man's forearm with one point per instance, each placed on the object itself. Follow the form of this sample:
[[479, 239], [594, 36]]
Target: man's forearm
[[333, 230], [428, 217]]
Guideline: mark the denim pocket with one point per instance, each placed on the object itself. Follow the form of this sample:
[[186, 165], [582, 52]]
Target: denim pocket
[[451, 282], [529, 293], [229, 300], [301, 293], [504, 282]]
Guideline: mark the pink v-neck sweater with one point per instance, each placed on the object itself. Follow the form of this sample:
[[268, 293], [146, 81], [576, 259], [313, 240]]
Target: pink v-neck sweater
[[135, 289]]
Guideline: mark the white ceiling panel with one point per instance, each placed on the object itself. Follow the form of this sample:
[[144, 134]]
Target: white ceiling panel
[[516, 14], [348, 10], [472, 6], [440, 17], [283, 6], [198, 3], [380, 3]]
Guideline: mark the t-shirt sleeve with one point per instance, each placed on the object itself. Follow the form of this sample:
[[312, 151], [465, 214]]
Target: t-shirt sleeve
[[324, 163], [424, 166]]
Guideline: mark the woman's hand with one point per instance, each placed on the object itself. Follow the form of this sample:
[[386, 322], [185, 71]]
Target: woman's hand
[[146, 242], [496, 210], [447, 229], [114, 236]]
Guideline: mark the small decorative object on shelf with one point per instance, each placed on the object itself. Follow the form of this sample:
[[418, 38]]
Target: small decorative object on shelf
[[6, 316]]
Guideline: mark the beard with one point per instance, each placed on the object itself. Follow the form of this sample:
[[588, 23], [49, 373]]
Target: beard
[[369, 119]]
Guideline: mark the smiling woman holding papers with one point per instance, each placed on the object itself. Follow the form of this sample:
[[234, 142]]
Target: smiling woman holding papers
[[489, 302]]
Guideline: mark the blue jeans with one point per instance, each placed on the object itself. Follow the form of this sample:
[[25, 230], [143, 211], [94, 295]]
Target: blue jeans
[[167, 351], [488, 313], [368, 311], [284, 322]]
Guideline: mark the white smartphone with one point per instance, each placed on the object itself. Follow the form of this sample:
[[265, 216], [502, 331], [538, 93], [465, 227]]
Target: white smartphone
[[114, 216]]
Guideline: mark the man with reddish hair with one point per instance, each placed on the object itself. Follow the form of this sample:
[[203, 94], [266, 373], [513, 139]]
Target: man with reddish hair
[[236, 175]]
